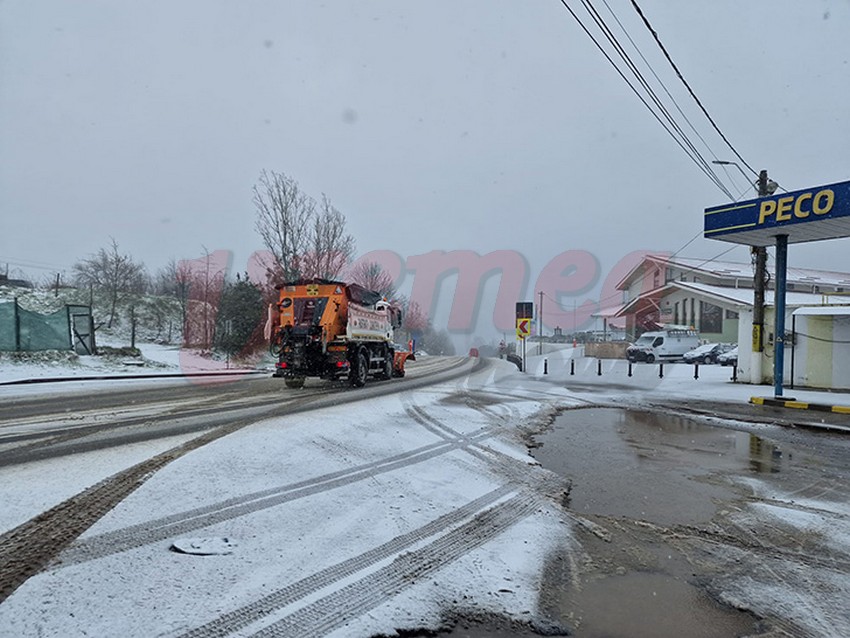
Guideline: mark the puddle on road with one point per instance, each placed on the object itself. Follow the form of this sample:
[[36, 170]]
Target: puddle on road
[[646, 605], [660, 468], [649, 466]]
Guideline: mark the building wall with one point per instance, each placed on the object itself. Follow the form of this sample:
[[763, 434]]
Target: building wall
[[686, 308], [822, 352], [749, 361]]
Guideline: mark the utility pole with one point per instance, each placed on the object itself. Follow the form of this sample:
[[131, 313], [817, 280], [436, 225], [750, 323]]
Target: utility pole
[[759, 279], [540, 325]]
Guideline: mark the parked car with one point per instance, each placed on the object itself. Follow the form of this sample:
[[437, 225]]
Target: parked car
[[662, 345], [729, 358], [707, 353]]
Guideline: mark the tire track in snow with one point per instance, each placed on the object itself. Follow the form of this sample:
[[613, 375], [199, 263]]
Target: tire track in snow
[[198, 518], [38, 446], [248, 614], [26, 549], [354, 599], [124, 430], [30, 547], [508, 466]]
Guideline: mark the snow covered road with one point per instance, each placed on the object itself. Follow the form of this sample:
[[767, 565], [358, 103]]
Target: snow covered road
[[360, 513], [387, 490]]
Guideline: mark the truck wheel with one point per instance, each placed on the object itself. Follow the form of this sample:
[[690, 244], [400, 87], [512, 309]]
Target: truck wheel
[[359, 371], [294, 382], [650, 358], [387, 370]]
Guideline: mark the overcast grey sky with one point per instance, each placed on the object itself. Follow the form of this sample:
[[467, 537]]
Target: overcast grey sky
[[478, 125]]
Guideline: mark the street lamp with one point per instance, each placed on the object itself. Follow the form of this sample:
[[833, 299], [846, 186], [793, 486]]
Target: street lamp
[[736, 165], [768, 188]]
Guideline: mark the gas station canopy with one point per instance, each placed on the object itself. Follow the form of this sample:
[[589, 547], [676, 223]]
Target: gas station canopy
[[810, 214]]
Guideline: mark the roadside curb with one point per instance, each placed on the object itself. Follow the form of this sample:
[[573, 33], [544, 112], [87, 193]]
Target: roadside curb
[[117, 377], [800, 405]]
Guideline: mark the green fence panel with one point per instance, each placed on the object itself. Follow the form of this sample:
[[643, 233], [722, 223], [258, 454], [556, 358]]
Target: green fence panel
[[44, 332], [7, 326]]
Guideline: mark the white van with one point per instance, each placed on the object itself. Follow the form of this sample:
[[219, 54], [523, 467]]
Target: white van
[[663, 345]]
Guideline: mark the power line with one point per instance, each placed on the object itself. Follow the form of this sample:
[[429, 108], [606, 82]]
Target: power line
[[823, 339], [621, 51], [688, 86], [707, 171], [669, 94], [25, 263]]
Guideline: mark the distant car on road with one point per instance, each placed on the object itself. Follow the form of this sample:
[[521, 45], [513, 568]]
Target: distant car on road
[[707, 353], [729, 358]]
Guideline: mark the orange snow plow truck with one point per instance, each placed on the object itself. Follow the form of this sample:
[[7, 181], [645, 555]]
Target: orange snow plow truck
[[333, 330]]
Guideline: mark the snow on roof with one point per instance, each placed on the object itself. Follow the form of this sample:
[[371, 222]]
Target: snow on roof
[[742, 297], [732, 270], [608, 312], [830, 311]]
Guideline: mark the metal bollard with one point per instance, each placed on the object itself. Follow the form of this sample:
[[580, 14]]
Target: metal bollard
[[599, 367], [545, 366], [572, 367], [696, 371], [630, 368], [660, 370]]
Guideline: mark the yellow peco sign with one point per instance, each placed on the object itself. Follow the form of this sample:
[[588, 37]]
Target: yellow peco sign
[[800, 206]]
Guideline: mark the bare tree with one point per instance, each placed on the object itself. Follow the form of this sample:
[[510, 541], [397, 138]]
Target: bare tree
[[372, 276], [307, 240], [284, 216], [330, 247], [174, 280], [205, 277], [415, 320], [110, 272]]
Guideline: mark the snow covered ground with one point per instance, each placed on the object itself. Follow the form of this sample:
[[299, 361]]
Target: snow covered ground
[[358, 519], [156, 359], [413, 475]]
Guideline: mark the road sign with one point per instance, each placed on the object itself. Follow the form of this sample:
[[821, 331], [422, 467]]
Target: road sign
[[811, 214], [524, 310], [523, 328]]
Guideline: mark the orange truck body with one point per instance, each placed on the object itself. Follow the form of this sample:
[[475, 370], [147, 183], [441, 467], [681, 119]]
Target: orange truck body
[[331, 330]]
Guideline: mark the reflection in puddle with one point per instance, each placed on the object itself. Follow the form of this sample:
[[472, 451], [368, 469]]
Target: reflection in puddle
[[764, 457]]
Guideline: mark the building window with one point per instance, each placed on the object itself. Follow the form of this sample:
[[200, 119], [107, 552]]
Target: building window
[[710, 318], [676, 313], [731, 314]]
